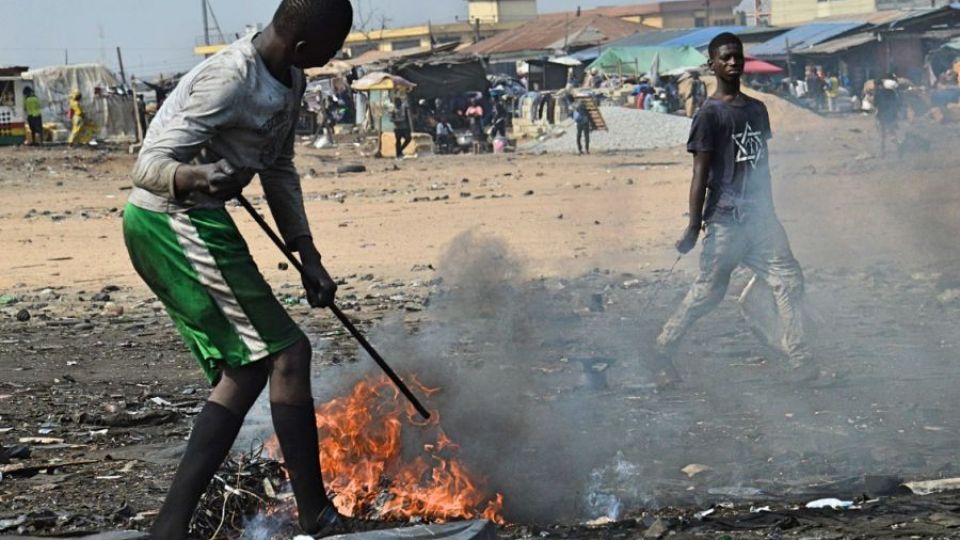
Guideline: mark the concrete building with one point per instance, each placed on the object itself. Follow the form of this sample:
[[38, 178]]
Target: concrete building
[[794, 12], [501, 11], [676, 13]]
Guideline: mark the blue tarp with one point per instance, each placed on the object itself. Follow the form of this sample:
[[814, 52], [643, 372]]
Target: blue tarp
[[701, 37], [803, 37]]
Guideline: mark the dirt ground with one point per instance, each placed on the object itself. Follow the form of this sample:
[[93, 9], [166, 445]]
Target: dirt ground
[[99, 387]]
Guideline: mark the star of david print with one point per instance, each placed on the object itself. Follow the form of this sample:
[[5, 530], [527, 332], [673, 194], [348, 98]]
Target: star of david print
[[750, 147]]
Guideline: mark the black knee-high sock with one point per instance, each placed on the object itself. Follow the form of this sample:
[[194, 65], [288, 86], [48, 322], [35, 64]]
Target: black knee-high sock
[[297, 432], [214, 432]]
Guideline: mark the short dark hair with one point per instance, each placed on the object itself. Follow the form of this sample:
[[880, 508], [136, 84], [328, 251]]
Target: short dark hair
[[295, 18], [726, 38]]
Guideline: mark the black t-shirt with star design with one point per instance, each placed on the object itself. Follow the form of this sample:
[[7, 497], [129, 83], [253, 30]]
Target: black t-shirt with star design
[[736, 136]]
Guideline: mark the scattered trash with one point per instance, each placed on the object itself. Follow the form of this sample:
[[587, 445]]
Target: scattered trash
[[695, 469], [161, 402], [659, 529], [40, 440], [351, 168], [236, 493], [704, 513], [929, 487], [835, 504], [737, 492], [14, 452], [126, 420]]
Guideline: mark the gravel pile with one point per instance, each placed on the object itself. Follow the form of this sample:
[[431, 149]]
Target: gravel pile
[[629, 130]]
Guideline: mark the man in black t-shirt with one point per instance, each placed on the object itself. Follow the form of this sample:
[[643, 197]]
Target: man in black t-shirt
[[731, 200]]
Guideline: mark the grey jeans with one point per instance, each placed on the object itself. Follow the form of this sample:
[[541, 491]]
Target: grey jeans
[[761, 245]]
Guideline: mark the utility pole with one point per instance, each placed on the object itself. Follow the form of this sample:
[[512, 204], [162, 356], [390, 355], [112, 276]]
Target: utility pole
[[66, 57], [789, 61], [206, 23], [123, 74]]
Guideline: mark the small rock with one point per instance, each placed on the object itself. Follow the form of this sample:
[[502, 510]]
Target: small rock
[[659, 529], [283, 267], [112, 310], [23, 315], [528, 193], [694, 469], [101, 297], [949, 296]]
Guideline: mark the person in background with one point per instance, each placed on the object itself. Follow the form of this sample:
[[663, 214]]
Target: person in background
[[886, 101], [582, 118], [499, 119], [78, 134], [832, 86], [814, 87], [698, 94], [643, 90], [142, 113], [401, 125], [445, 138], [822, 89], [34, 110], [474, 115]]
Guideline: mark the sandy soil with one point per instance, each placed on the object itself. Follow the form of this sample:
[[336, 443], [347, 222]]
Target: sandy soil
[[876, 237]]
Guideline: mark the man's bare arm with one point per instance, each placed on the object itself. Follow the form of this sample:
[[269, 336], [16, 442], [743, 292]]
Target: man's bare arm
[[698, 196]]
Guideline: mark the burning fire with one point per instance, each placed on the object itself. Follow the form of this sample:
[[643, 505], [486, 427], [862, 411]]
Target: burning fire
[[363, 465]]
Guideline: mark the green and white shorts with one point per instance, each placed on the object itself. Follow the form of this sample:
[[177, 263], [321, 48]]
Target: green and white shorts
[[200, 267]]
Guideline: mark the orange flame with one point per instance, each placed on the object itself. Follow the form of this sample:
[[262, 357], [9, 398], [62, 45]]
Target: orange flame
[[363, 465]]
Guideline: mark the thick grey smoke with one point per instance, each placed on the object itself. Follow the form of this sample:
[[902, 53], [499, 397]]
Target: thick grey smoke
[[509, 351]]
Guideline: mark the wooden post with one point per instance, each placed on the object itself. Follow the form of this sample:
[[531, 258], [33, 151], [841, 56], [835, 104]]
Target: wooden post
[[123, 74], [789, 61], [136, 110]]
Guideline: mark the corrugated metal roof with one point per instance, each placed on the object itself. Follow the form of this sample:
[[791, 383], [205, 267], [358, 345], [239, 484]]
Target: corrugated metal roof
[[918, 14], [701, 37], [841, 44], [551, 32], [803, 37]]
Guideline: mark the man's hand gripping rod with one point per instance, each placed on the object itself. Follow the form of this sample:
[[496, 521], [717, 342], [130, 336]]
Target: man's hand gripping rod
[[339, 314]]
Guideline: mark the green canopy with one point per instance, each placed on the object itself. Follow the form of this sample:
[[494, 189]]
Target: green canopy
[[636, 61]]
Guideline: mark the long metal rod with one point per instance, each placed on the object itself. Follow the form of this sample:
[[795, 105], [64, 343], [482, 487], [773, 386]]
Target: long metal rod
[[659, 285], [338, 313]]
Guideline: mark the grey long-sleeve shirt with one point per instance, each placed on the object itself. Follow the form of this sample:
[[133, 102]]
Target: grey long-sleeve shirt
[[228, 107]]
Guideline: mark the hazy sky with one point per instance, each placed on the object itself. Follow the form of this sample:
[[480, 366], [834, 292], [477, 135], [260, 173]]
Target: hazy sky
[[158, 36]]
